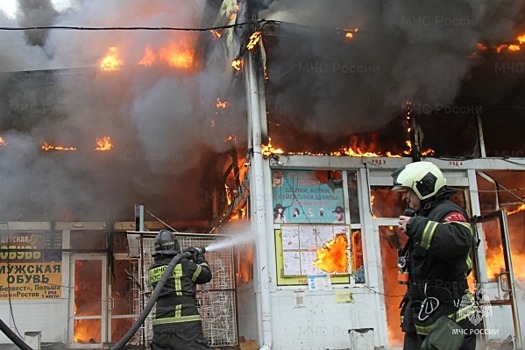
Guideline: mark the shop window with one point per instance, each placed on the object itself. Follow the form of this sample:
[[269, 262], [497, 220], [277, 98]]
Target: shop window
[[312, 226], [353, 199], [307, 251]]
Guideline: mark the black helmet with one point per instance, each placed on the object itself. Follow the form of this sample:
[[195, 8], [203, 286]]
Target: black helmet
[[166, 241]]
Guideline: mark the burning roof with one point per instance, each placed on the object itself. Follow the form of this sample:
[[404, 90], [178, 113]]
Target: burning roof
[[329, 86], [338, 77]]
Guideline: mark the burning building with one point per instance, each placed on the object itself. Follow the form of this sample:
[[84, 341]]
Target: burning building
[[288, 117]]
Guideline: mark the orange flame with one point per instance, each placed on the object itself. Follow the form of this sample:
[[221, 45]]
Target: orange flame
[[333, 257], [517, 210], [237, 64], [221, 104], [149, 57], [104, 144], [178, 55], [350, 33], [268, 150], [254, 39], [2, 141], [48, 147], [495, 264], [111, 61], [215, 34], [495, 260]]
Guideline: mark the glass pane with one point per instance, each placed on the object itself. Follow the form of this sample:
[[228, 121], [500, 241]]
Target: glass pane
[[494, 249], [88, 288], [389, 204], [515, 222], [357, 255], [88, 331], [353, 198], [386, 203], [393, 290], [125, 288], [119, 328]]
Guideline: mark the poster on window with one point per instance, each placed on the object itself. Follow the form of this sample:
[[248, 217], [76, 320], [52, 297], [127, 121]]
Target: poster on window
[[307, 196]]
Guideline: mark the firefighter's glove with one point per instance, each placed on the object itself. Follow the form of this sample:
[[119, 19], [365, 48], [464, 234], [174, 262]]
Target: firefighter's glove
[[195, 254]]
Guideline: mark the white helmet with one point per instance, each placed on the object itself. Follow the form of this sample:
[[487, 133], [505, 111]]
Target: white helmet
[[424, 178]]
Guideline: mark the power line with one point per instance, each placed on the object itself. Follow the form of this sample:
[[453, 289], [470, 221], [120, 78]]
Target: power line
[[236, 25]]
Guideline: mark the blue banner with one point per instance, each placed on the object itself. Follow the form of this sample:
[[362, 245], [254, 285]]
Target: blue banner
[[302, 196]]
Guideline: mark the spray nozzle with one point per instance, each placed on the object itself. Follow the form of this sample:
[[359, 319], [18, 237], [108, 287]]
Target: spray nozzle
[[195, 251]]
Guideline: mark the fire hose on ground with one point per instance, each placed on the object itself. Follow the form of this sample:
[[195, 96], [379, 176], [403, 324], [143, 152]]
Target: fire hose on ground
[[140, 320], [13, 337], [153, 298]]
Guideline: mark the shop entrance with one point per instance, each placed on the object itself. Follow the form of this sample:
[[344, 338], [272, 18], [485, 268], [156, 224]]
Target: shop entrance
[[497, 298], [88, 301], [102, 300]]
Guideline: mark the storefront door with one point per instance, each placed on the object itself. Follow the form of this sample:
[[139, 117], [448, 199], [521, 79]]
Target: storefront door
[[88, 301]]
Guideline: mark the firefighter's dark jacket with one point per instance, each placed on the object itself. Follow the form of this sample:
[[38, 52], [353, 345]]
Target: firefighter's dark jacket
[[177, 302], [440, 242]]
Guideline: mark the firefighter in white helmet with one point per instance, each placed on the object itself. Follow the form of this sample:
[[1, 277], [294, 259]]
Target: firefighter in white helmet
[[176, 320], [437, 260]]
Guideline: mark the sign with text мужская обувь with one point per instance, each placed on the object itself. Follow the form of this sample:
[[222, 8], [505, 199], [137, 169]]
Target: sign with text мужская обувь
[[30, 265]]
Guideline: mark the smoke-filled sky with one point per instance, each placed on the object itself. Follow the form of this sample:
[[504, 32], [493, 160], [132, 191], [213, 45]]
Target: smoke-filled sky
[[168, 135]]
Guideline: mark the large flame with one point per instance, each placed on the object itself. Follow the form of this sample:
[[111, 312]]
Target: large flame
[[178, 55], [333, 257], [365, 145], [495, 258]]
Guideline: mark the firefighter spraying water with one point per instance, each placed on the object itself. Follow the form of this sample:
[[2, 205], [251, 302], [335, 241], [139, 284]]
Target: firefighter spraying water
[[177, 323], [173, 277]]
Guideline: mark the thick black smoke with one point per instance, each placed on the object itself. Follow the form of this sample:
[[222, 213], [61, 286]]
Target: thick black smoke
[[403, 50]]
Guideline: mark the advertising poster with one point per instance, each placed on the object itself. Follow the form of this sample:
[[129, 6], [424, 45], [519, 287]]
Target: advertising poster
[[297, 248], [26, 271], [307, 196]]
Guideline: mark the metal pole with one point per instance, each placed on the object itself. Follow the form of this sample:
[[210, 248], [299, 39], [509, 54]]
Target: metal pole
[[257, 190], [508, 262]]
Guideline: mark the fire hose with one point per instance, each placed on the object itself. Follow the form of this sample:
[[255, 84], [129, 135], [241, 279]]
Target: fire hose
[[153, 298], [14, 338]]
